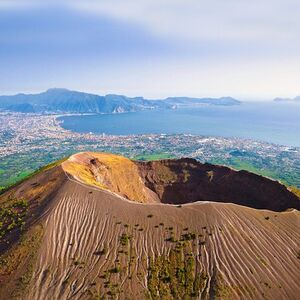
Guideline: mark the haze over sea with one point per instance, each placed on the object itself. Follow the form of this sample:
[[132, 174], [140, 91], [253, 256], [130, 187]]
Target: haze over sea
[[277, 123]]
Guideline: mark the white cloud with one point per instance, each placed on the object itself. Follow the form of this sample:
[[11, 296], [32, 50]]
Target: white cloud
[[16, 4], [206, 19], [250, 47], [247, 81]]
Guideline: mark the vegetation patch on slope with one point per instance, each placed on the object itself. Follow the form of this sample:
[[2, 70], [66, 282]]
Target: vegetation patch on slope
[[175, 275], [17, 264], [12, 217]]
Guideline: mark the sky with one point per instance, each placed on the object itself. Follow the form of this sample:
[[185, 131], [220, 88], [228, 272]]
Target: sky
[[152, 48]]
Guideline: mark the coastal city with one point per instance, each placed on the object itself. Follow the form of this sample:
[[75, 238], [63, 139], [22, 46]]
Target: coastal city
[[30, 141]]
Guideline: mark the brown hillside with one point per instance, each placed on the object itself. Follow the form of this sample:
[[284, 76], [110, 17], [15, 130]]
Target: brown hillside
[[83, 240]]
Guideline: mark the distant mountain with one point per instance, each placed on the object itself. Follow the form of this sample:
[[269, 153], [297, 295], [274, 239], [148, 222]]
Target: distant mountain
[[296, 99], [66, 101], [186, 101]]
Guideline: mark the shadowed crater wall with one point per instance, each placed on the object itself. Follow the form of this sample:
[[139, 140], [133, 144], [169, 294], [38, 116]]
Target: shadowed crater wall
[[186, 180]]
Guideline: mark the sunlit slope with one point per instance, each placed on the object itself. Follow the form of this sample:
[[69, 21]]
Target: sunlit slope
[[96, 244], [109, 172]]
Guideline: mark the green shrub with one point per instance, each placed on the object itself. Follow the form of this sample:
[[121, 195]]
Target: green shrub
[[124, 239]]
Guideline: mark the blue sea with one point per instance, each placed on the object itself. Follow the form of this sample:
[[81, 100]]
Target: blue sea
[[277, 123]]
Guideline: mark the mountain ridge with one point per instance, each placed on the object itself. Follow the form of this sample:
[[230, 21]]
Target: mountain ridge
[[295, 99], [60, 100], [84, 235]]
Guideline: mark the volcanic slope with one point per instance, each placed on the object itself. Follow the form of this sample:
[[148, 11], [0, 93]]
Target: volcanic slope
[[100, 226]]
